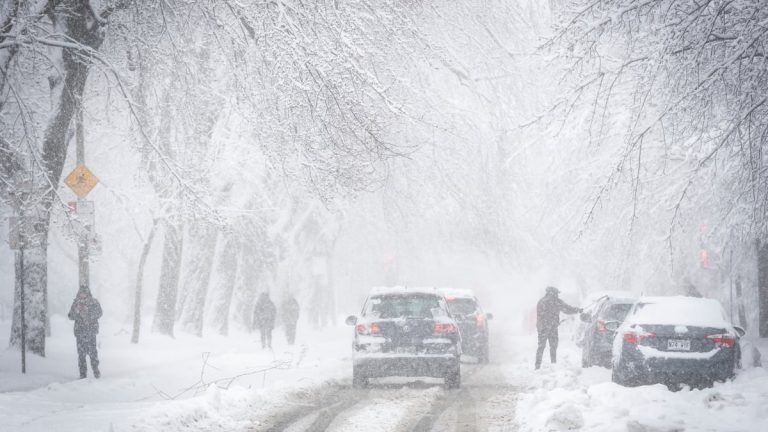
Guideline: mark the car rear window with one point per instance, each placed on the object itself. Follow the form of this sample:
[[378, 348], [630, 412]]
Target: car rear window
[[462, 306], [680, 311], [616, 312], [405, 306]]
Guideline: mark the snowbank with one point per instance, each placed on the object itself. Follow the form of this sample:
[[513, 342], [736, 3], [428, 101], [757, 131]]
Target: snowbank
[[565, 397], [215, 383]]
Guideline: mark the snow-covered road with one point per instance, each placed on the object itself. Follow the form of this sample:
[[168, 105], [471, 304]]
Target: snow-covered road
[[486, 402]]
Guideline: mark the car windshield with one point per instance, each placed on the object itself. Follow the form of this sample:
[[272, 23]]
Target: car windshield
[[616, 311], [462, 306], [404, 306]]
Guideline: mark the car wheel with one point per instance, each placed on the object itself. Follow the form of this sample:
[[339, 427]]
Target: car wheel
[[359, 379], [453, 377]]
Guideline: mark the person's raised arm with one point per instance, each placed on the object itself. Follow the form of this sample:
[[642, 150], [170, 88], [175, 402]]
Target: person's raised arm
[[566, 308]]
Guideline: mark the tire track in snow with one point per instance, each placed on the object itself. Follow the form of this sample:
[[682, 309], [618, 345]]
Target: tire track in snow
[[442, 406], [314, 408], [389, 408], [319, 420], [484, 403]]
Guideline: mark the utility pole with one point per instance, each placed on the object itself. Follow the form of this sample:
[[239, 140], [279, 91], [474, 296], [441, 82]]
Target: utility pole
[[82, 241], [81, 180]]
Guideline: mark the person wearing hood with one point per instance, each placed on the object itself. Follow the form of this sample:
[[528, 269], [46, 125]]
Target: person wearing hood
[[547, 321], [85, 312], [264, 318]]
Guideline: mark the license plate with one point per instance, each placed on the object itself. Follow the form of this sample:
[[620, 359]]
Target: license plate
[[678, 345], [405, 349]]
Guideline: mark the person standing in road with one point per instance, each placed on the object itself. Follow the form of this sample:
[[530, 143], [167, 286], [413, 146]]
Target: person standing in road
[[290, 312], [86, 311], [547, 321], [264, 319]]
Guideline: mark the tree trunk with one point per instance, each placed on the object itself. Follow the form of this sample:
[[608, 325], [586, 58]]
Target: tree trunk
[[224, 288], [762, 287], [139, 284], [246, 285], [740, 305], [35, 278], [79, 28], [165, 311], [197, 277]]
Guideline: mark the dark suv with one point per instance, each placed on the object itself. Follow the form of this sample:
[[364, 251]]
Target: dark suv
[[405, 332], [597, 338], [472, 320]]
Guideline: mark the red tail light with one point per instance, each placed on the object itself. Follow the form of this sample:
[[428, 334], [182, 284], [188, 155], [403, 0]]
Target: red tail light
[[723, 340], [444, 328], [634, 336], [481, 321], [368, 329], [601, 326]]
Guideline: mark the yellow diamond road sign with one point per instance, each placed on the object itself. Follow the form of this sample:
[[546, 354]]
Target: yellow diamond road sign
[[81, 180]]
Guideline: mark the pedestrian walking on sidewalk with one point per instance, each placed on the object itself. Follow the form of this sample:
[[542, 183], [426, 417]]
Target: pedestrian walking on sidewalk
[[290, 313], [85, 312], [264, 318]]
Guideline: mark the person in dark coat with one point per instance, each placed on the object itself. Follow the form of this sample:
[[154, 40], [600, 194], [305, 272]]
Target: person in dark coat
[[290, 312], [264, 318], [86, 311], [547, 320]]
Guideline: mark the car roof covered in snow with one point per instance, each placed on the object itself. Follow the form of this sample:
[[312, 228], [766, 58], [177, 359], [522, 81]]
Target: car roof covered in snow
[[457, 293], [378, 291], [679, 310]]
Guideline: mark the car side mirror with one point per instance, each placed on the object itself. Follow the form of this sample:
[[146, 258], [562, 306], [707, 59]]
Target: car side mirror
[[489, 316], [351, 320], [585, 317], [612, 325], [740, 331]]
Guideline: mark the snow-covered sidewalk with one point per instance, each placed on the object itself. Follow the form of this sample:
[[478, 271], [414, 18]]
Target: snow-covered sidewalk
[[566, 397], [186, 383]]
